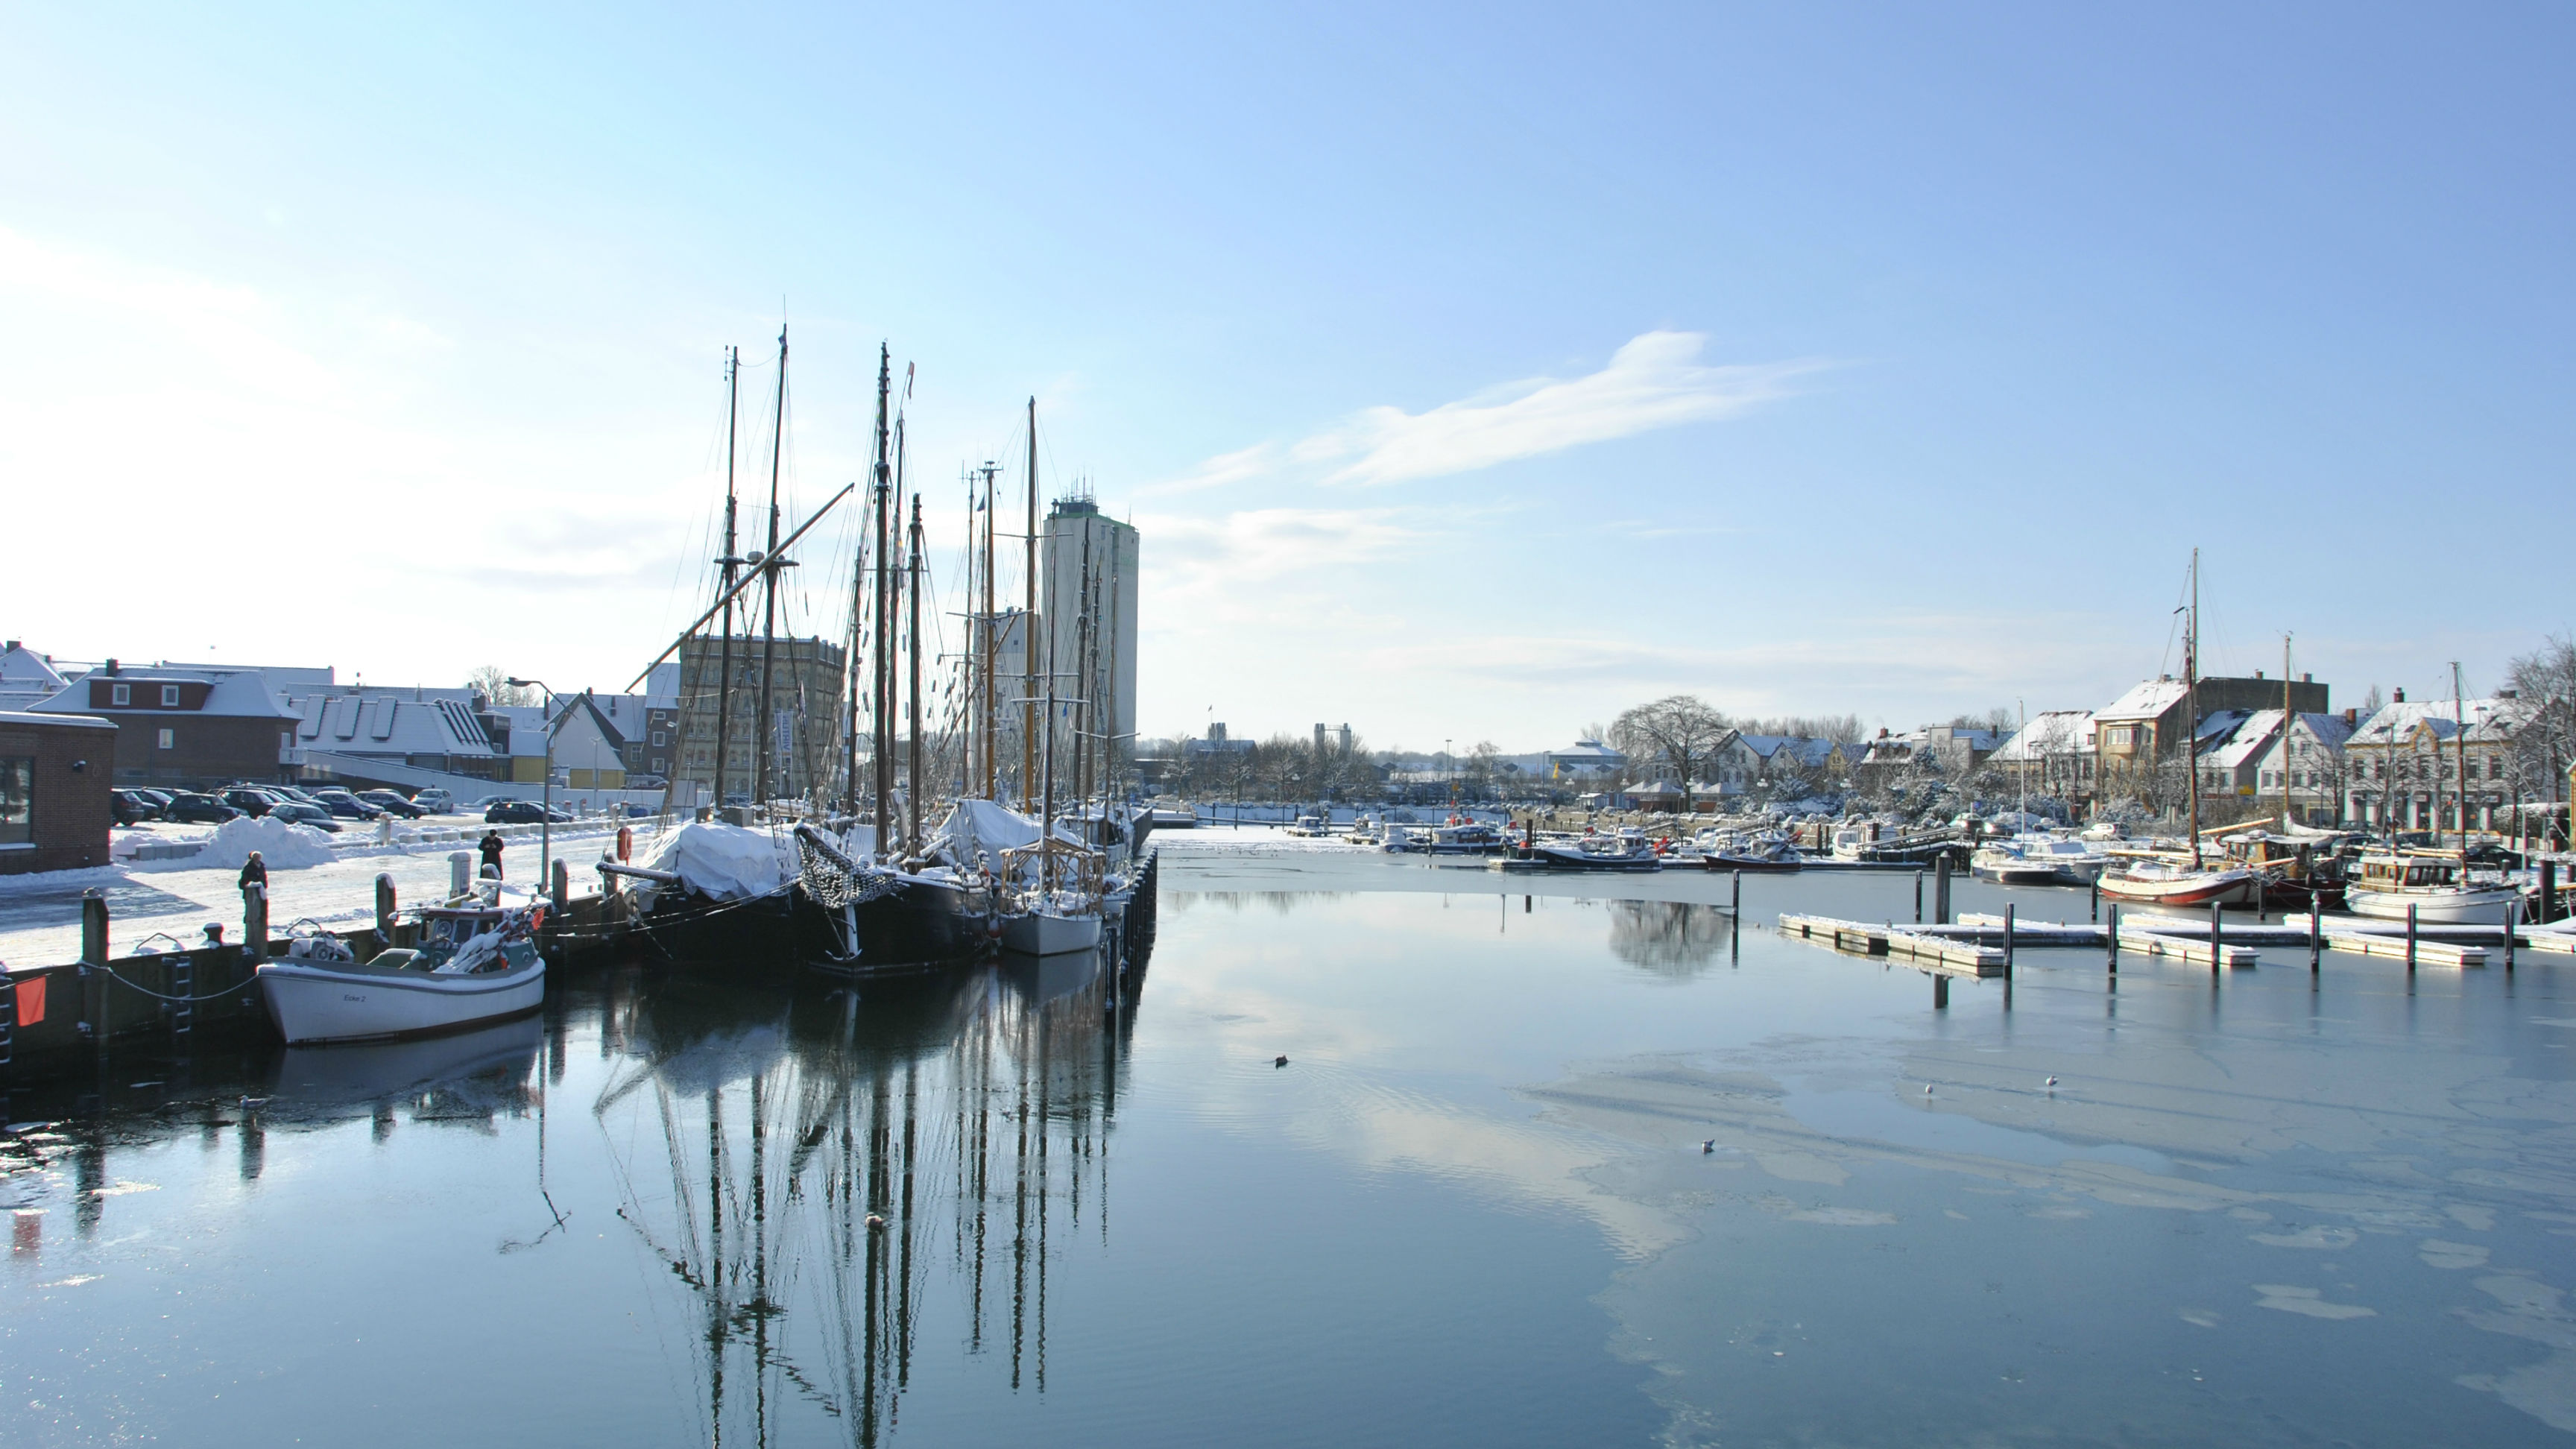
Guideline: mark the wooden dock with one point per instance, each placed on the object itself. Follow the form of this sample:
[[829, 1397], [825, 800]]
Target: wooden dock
[[1917, 945]]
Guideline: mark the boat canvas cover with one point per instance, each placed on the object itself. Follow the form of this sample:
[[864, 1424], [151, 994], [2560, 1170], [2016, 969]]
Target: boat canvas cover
[[978, 831], [728, 862]]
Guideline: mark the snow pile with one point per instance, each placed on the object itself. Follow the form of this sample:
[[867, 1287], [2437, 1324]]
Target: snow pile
[[728, 862], [281, 845]]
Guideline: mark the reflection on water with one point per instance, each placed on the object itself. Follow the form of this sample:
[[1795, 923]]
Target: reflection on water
[[1276, 902], [1669, 938], [799, 1160]]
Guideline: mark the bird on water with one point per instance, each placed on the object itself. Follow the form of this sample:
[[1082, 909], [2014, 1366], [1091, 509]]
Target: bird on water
[[2052, 1079], [1708, 1147], [1281, 1062], [1927, 1089]]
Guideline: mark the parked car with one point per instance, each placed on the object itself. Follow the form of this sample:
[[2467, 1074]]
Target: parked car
[[435, 801], [144, 803], [633, 811], [392, 803], [522, 812], [296, 812], [647, 782], [193, 809], [346, 806], [250, 801], [125, 807], [161, 798]]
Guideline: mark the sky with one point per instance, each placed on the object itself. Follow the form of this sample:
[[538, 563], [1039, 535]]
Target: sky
[[1472, 373]]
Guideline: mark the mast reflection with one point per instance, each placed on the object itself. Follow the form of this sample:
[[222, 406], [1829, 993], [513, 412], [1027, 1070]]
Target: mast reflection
[[820, 1169]]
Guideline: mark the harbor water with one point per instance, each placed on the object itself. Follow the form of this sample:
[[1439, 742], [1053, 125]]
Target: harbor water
[[1549, 1161]]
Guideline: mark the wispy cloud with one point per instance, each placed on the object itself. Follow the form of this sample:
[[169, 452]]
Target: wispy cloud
[[1656, 380]]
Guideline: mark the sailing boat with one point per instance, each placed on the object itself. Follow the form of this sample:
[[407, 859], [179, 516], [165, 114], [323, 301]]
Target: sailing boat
[[2170, 879]]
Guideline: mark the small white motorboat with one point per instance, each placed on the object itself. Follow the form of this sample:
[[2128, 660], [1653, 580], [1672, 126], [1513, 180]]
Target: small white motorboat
[[476, 963], [2433, 884], [2010, 864]]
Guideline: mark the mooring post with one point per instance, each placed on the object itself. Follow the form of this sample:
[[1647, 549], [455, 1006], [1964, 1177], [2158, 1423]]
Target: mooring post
[[1940, 992], [2548, 893], [2093, 898], [2217, 951], [562, 885], [1918, 898], [2111, 942], [2512, 908], [93, 927], [1735, 896], [2316, 933], [385, 907], [2008, 941], [2410, 938], [460, 872], [255, 920], [1941, 889]]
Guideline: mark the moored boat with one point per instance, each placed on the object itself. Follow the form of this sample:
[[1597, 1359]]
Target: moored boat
[[2150, 880], [2434, 885], [476, 963]]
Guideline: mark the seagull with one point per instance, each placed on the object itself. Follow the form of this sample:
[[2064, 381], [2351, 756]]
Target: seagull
[[1281, 1062], [876, 1224], [1927, 1089], [2052, 1080], [1708, 1147]]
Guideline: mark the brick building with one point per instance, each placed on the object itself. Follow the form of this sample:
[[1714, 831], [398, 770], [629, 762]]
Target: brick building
[[53, 791], [186, 727]]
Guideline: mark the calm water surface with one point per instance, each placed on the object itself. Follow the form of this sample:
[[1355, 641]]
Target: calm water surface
[[1475, 1208]]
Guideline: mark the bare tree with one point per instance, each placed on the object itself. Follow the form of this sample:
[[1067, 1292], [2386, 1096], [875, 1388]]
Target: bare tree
[[2544, 686], [494, 684], [1681, 730]]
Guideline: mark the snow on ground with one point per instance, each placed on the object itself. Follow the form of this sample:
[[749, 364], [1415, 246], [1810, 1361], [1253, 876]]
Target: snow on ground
[[40, 914]]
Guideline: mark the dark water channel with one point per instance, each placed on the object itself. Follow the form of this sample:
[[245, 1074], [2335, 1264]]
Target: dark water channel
[[1474, 1208]]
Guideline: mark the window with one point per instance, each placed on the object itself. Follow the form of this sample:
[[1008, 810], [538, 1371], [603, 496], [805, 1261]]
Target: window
[[17, 799], [657, 739], [120, 694], [169, 696], [169, 739]]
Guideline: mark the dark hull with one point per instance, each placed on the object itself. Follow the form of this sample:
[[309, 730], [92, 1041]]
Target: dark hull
[[1546, 859], [921, 923]]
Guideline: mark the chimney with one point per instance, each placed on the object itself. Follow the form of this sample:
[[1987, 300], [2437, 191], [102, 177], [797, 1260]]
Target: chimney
[[111, 665], [2401, 694], [2258, 674], [2352, 719], [2307, 679]]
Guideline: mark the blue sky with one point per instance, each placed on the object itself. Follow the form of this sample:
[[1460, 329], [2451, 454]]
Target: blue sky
[[1472, 372]]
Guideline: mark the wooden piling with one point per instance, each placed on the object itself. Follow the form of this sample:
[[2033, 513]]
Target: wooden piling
[[1940, 992], [385, 907], [2316, 939], [255, 920], [561, 885], [2512, 913], [2548, 893], [2217, 944], [1941, 889], [2410, 938], [2112, 937], [1918, 898], [2008, 943]]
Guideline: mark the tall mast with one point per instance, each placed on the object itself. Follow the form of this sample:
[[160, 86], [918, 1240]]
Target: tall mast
[[1086, 657], [729, 563], [2287, 719], [912, 795], [1029, 628], [985, 720], [2191, 705], [880, 672], [2460, 738], [770, 565]]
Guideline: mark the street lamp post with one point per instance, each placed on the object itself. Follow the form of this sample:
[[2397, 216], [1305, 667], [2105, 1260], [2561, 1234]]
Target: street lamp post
[[546, 825]]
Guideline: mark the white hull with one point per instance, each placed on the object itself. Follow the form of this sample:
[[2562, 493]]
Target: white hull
[[2228, 887], [2437, 907], [311, 1002], [1043, 933]]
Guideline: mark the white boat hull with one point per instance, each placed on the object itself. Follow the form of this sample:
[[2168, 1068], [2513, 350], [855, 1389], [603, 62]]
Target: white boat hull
[[1044, 933], [2443, 908], [2228, 887], [311, 1002]]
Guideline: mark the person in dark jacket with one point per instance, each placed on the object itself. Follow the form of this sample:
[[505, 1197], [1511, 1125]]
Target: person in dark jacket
[[254, 872], [492, 855]]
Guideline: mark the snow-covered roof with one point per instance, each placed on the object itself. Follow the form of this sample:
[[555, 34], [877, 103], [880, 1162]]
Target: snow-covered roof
[[2245, 736], [2050, 732], [385, 724], [242, 694], [2146, 701], [2397, 723], [1587, 750]]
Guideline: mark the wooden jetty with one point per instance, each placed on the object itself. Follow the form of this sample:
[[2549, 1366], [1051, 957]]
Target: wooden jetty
[[1921, 945]]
